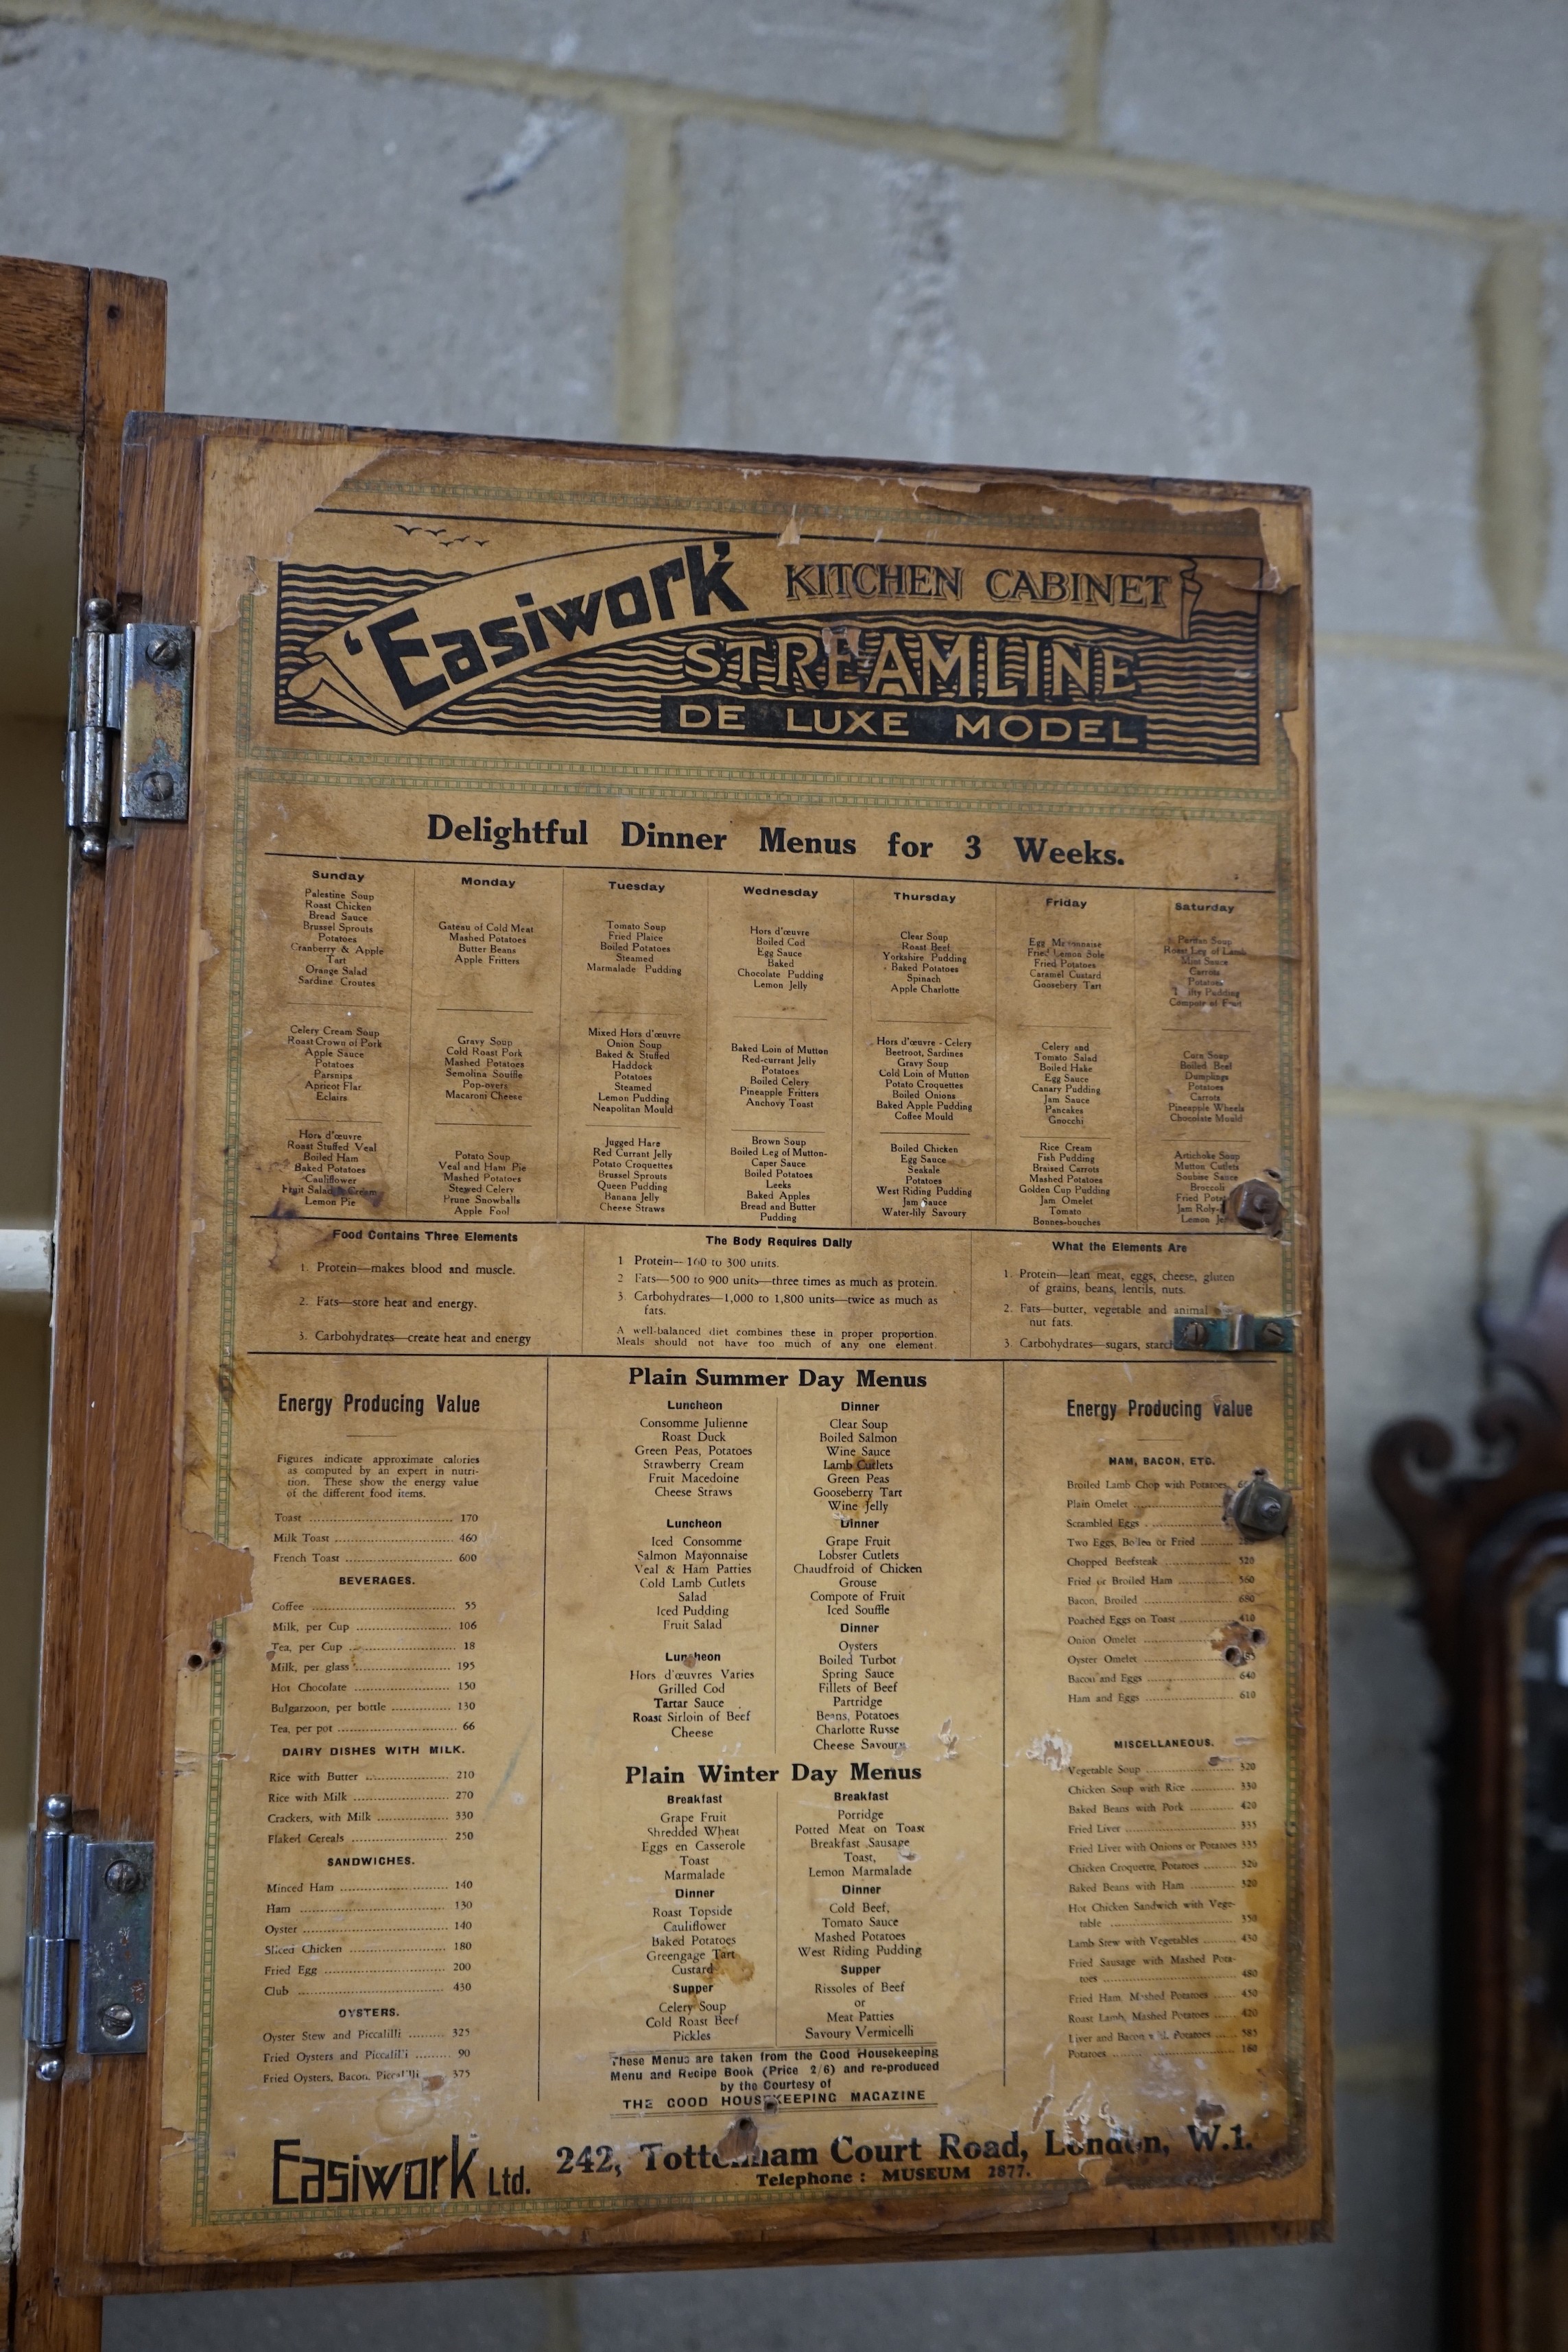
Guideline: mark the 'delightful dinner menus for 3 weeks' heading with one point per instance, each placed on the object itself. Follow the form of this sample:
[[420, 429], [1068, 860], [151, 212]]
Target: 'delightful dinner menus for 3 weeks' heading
[[723, 1692]]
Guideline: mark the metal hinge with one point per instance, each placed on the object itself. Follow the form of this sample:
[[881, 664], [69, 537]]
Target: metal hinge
[[98, 1893], [1235, 1335], [133, 683]]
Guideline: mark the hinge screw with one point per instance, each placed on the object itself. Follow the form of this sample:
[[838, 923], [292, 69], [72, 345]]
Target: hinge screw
[[165, 651], [1271, 1333], [116, 2019], [157, 785], [1191, 1334], [122, 1877]]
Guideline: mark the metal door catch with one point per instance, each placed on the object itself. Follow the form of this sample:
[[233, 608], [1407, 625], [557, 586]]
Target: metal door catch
[[96, 1893], [1235, 1335], [134, 685], [1260, 1508]]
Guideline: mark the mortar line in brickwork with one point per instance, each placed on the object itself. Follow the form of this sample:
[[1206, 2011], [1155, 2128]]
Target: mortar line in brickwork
[[1362, 1584], [1542, 662], [1388, 2066], [990, 151], [1513, 473], [1087, 24], [648, 366], [1477, 1111]]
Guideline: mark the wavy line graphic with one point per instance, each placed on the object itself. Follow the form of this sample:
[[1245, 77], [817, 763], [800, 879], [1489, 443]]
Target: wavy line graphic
[[1197, 697]]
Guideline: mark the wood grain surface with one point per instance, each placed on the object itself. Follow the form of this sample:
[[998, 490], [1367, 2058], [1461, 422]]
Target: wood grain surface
[[81, 350], [43, 344]]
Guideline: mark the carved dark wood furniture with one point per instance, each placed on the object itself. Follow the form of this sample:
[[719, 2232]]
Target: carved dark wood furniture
[[1490, 1556]]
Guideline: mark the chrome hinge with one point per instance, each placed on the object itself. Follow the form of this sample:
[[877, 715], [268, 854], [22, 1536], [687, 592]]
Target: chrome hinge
[[98, 1893], [133, 683]]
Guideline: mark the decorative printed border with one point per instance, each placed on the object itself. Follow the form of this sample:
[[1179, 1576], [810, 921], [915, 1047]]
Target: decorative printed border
[[207, 2001]]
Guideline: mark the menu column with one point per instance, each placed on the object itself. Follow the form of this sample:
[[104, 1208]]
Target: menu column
[[891, 1615], [925, 1048], [634, 1138], [1068, 1058], [780, 983], [482, 1128], [380, 1811], [1208, 1074], [661, 1805], [326, 1084], [1146, 1697]]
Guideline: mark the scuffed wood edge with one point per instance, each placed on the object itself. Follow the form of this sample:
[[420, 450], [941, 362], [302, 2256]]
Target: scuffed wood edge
[[119, 1733], [1315, 1626], [1076, 492], [597, 2262], [116, 353]]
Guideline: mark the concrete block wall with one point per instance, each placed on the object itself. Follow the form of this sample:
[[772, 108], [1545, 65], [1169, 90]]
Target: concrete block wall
[[1324, 243]]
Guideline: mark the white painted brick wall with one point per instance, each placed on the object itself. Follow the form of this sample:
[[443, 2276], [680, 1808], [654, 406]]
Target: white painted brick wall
[[883, 305], [1398, 1194], [323, 256], [1525, 1177], [1443, 829], [1436, 100], [992, 65]]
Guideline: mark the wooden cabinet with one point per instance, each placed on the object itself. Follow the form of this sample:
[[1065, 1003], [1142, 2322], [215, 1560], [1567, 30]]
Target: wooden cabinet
[[687, 1497]]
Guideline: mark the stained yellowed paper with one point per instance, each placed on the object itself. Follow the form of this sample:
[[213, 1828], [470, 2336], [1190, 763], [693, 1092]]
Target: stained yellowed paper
[[715, 1686]]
